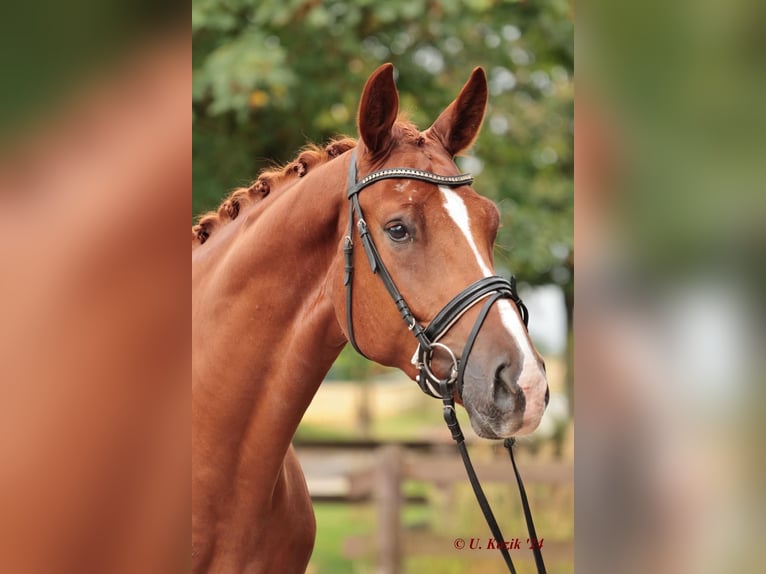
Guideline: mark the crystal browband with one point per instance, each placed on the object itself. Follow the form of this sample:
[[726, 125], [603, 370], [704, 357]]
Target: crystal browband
[[408, 173]]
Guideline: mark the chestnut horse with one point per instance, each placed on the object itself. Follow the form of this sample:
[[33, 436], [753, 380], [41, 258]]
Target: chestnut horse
[[269, 312]]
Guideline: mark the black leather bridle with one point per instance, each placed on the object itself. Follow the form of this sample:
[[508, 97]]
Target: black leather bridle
[[491, 289]]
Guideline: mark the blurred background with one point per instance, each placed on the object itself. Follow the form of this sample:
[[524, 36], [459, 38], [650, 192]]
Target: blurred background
[[670, 213], [95, 180], [670, 235], [268, 76]]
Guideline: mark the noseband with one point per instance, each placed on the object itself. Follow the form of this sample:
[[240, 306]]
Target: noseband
[[491, 288]]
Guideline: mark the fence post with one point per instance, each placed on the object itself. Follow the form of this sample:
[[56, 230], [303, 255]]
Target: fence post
[[388, 496]]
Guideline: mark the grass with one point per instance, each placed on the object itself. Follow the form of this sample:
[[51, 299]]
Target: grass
[[335, 523], [448, 515]]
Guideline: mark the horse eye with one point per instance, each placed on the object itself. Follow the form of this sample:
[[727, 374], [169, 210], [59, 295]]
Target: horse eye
[[397, 232]]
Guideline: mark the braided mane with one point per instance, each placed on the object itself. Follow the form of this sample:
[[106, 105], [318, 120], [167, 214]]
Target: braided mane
[[269, 180], [279, 178]]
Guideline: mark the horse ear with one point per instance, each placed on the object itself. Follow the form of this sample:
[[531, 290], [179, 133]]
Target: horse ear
[[378, 108], [458, 125]]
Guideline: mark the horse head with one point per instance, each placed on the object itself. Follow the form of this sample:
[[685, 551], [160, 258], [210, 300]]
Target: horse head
[[433, 240]]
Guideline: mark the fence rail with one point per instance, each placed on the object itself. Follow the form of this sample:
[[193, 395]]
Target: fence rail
[[435, 463]]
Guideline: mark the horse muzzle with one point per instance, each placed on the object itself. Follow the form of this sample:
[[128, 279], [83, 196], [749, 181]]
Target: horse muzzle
[[509, 402]]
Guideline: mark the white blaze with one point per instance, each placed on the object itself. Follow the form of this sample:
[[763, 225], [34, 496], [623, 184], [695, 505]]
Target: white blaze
[[458, 212]]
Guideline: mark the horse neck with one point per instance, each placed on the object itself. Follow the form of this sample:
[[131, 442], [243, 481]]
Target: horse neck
[[265, 331]]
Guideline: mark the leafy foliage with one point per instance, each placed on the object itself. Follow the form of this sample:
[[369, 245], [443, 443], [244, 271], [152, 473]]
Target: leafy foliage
[[269, 75]]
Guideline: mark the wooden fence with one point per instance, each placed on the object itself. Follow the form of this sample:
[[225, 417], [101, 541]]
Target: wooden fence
[[431, 463]]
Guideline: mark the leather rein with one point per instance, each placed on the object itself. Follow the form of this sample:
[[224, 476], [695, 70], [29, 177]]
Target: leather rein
[[488, 289]]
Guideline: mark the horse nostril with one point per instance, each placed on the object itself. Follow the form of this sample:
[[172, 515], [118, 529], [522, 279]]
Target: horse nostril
[[506, 391], [499, 371], [547, 395]]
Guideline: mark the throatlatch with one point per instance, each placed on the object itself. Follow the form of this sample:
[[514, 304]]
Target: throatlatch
[[491, 288]]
